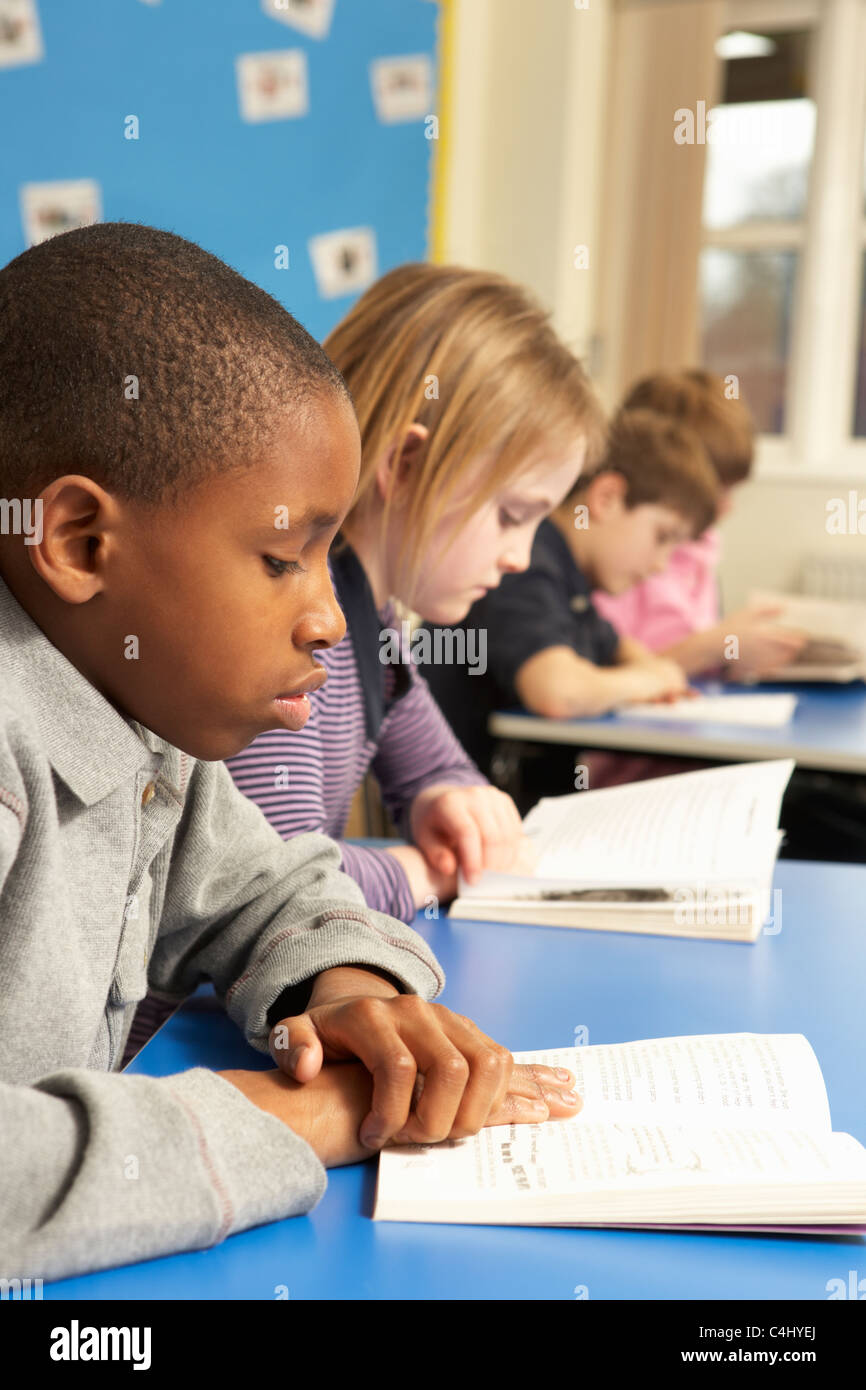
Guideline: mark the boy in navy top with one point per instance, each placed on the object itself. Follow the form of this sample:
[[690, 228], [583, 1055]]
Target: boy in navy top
[[548, 648]]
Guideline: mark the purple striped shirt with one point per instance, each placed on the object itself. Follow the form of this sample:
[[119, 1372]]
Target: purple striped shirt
[[306, 781]]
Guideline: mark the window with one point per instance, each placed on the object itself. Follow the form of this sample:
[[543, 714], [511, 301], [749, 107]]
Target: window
[[782, 273], [759, 156], [860, 390]]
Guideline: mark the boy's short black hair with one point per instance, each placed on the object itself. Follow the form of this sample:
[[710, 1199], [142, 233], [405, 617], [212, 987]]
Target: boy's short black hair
[[133, 356]]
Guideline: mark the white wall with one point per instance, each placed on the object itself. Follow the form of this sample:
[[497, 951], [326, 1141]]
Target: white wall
[[523, 187], [524, 159], [773, 527]]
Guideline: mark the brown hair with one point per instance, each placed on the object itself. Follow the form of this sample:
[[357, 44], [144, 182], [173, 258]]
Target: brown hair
[[698, 398], [472, 357], [662, 462]]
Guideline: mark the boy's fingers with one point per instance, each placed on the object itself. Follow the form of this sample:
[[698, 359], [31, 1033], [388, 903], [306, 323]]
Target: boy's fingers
[[461, 1071], [515, 1106], [445, 1081], [296, 1048], [536, 1093], [534, 1080], [518, 1110], [462, 1075], [489, 1070], [393, 1085], [368, 1032]]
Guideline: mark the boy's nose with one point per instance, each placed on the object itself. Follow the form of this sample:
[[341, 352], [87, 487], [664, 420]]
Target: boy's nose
[[323, 623], [335, 623]]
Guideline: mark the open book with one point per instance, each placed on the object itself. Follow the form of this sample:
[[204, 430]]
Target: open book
[[728, 1130], [836, 650], [755, 711], [688, 855]]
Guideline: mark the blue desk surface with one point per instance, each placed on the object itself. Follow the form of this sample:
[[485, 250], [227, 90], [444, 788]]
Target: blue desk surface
[[828, 730], [531, 987]]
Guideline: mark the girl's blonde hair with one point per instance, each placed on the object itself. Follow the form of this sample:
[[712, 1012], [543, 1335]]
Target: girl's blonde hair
[[472, 357]]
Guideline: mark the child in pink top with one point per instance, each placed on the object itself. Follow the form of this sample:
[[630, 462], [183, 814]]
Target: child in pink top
[[677, 613], [669, 607]]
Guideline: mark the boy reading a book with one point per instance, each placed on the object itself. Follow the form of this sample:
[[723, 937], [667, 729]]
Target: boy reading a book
[[188, 452], [676, 613], [548, 648]]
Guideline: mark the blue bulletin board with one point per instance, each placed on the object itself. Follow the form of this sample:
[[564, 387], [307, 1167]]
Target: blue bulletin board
[[292, 138]]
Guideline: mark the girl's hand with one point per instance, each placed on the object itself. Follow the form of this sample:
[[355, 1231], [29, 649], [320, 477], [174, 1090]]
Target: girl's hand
[[467, 828], [425, 882], [435, 1074]]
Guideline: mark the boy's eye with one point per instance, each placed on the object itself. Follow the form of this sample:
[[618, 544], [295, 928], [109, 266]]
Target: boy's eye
[[283, 566], [506, 519]]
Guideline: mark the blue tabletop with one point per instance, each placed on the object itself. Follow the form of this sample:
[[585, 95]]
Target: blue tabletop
[[828, 730], [532, 987]]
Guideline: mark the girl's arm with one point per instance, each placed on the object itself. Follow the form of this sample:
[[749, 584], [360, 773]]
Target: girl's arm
[[283, 773], [417, 747]]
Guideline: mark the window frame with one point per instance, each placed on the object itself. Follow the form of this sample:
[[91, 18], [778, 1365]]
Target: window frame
[[831, 238]]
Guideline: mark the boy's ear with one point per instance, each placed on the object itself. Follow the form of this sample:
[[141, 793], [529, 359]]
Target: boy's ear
[[398, 464], [605, 496], [76, 517]]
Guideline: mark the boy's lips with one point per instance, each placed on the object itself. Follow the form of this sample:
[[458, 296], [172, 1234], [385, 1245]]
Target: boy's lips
[[293, 707]]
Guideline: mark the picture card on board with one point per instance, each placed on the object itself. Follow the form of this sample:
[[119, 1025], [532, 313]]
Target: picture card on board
[[402, 88], [272, 86], [310, 17], [344, 262], [20, 33], [59, 206]]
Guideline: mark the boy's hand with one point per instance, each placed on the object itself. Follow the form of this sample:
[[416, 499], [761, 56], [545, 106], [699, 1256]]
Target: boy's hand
[[328, 1111], [657, 679], [435, 1074], [466, 828]]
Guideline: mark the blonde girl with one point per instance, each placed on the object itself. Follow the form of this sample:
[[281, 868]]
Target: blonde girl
[[475, 421]]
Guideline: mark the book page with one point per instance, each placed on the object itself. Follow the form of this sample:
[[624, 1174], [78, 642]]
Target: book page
[[730, 1079], [567, 1158], [753, 711], [837, 622], [719, 823]]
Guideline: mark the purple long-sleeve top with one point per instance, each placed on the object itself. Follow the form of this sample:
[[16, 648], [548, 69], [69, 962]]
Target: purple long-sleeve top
[[367, 716]]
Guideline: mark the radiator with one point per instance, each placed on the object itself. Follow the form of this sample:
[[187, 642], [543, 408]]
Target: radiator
[[823, 576]]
